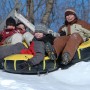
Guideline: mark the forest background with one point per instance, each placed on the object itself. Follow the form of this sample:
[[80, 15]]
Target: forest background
[[50, 12]]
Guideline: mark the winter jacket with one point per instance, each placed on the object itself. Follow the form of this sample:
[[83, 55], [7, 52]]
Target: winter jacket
[[37, 48], [81, 27], [10, 49], [29, 50], [7, 33]]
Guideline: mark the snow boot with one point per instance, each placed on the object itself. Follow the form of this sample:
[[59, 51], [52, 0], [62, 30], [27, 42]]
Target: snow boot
[[65, 58], [50, 51]]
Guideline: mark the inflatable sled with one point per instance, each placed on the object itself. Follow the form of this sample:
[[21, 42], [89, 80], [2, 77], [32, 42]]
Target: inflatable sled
[[12, 62]]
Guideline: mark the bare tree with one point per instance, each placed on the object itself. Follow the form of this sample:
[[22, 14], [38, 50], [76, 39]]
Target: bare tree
[[48, 11], [83, 7], [30, 10]]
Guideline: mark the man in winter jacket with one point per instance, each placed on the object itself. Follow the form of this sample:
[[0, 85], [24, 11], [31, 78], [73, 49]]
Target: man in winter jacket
[[77, 31]]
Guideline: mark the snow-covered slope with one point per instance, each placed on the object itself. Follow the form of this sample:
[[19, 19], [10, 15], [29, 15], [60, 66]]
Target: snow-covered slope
[[77, 77]]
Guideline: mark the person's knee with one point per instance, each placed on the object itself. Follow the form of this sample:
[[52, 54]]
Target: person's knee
[[75, 35], [58, 39]]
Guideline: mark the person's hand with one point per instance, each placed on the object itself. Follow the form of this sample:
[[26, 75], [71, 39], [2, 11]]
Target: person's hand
[[56, 34]]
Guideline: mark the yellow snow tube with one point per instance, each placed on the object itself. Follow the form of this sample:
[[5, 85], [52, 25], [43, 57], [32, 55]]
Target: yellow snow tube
[[11, 64]]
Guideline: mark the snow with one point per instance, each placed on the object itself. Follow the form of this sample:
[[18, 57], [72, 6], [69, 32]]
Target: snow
[[77, 77]]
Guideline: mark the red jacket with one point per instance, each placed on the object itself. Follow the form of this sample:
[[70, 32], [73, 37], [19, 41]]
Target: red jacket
[[30, 50], [9, 32]]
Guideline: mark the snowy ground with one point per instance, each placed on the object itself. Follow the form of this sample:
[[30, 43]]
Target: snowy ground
[[77, 77]]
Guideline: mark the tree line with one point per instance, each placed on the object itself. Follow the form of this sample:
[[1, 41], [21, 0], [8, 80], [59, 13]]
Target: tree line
[[49, 12]]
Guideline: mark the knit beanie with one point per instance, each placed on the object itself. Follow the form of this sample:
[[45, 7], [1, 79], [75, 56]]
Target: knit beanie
[[70, 12], [41, 28], [10, 21]]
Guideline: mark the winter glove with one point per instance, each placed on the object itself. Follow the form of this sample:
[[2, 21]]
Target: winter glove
[[53, 33], [62, 33], [56, 34], [1, 37]]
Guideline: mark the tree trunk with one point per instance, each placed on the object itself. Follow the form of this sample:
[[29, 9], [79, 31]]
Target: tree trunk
[[49, 6], [30, 10]]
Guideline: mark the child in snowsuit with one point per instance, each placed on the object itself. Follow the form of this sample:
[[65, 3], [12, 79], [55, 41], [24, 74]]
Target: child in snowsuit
[[41, 43]]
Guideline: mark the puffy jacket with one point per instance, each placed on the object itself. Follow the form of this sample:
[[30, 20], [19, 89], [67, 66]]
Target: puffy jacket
[[81, 27], [9, 32], [37, 48], [29, 50]]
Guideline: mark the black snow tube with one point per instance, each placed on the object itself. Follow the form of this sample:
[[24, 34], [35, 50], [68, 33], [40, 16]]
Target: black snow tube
[[12, 62]]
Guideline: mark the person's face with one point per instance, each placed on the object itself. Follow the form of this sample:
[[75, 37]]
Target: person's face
[[21, 27], [38, 35], [10, 27], [70, 18]]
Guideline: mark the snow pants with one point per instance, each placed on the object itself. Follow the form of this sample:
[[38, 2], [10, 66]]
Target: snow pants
[[68, 44], [39, 48], [10, 49]]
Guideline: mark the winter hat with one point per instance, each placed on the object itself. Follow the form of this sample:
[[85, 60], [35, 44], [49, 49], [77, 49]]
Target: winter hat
[[70, 11], [41, 28], [10, 21]]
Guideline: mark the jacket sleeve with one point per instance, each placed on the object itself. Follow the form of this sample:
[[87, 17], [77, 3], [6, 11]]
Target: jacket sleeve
[[48, 38], [62, 33], [84, 24]]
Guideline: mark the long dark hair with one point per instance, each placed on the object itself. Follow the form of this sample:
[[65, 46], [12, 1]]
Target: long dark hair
[[72, 22]]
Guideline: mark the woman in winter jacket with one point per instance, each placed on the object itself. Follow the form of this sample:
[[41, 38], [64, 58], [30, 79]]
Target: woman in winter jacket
[[77, 31]]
